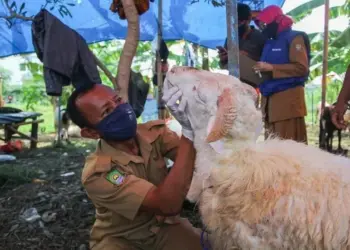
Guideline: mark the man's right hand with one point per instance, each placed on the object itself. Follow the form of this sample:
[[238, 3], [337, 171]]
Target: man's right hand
[[338, 115]]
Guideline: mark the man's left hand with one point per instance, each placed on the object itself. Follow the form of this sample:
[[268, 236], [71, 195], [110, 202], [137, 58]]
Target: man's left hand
[[263, 67]]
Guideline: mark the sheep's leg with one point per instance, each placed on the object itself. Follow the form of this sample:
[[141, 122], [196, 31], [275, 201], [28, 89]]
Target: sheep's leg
[[327, 141], [322, 135], [67, 136], [339, 141]]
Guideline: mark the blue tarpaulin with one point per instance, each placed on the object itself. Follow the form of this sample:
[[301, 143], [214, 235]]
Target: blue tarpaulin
[[196, 21]]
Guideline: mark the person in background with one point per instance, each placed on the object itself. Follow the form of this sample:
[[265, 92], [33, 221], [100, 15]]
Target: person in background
[[342, 103], [137, 201], [251, 41], [163, 54], [164, 69], [286, 58]]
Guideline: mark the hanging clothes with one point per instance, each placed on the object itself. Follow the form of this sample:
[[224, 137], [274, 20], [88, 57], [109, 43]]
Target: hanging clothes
[[66, 56], [137, 92]]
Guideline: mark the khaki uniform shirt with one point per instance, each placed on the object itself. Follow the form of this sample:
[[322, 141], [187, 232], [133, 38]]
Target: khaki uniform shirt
[[117, 205], [290, 103]]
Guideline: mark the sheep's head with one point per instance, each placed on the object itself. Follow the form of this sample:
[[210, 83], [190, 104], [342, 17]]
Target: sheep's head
[[219, 103]]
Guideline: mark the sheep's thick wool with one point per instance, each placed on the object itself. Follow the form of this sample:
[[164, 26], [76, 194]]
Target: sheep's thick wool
[[276, 194]]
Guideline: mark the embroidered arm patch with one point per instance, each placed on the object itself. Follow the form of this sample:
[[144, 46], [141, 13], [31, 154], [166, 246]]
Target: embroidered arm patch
[[115, 177]]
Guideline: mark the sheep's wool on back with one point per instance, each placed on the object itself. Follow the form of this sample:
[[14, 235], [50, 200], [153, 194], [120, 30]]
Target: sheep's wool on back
[[275, 194]]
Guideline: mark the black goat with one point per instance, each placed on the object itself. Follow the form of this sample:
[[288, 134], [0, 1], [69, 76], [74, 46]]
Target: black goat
[[65, 123], [327, 129]]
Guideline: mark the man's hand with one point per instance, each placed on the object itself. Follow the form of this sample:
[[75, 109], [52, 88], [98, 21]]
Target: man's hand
[[338, 115], [263, 67], [178, 110]]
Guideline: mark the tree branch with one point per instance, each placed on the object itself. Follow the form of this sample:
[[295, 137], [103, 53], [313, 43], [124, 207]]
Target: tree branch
[[105, 70], [13, 14], [129, 49]]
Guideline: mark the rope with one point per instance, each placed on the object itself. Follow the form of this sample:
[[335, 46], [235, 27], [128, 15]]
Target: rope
[[205, 245]]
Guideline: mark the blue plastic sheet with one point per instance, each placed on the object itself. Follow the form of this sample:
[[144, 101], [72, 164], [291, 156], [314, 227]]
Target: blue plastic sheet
[[150, 112], [199, 22], [17, 117]]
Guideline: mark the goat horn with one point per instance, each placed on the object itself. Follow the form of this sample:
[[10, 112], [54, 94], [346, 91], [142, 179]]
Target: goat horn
[[225, 116]]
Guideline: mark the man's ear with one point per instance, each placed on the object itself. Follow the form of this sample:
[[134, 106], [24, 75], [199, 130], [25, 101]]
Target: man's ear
[[89, 133]]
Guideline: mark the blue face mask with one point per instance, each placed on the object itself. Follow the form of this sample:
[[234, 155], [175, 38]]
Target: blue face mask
[[120, 125]]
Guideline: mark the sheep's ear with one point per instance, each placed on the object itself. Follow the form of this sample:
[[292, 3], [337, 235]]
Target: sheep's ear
[[248, 90], [218, 146], [226, 113]]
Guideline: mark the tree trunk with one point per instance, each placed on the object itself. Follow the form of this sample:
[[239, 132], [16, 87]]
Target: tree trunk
[[129, 49]]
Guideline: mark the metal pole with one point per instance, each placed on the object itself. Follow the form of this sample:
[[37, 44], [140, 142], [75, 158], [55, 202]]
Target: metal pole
[[161, 105], [232, 37], [325, 53]]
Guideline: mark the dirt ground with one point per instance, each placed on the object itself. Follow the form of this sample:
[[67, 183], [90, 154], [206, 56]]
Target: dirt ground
[[48, 179]]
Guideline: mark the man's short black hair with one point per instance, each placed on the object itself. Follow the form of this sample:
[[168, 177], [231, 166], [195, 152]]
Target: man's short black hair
[[73, 111], [244, 12]]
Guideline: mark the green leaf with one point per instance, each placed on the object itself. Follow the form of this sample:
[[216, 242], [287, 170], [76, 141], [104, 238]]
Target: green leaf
[[23, 5], [137, 68], [13, 5], [342, 40], [305, 9]]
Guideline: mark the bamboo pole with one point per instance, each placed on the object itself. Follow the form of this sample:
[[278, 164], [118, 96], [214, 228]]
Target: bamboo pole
[[325, 54], [161, 105], [232, 37]]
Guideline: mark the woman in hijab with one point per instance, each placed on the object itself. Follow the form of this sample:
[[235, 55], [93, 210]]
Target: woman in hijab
[[286, 57]]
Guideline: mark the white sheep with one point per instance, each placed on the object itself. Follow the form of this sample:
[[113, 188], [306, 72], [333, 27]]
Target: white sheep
[[276, 194]]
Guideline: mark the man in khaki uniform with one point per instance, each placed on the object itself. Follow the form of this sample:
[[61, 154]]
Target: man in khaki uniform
[[286, 58], [136, 200]]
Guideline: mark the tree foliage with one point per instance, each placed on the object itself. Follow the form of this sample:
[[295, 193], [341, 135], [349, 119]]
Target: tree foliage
[[339, 48]]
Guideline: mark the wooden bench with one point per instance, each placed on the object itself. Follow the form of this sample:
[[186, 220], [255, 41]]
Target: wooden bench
[[11, 123]]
